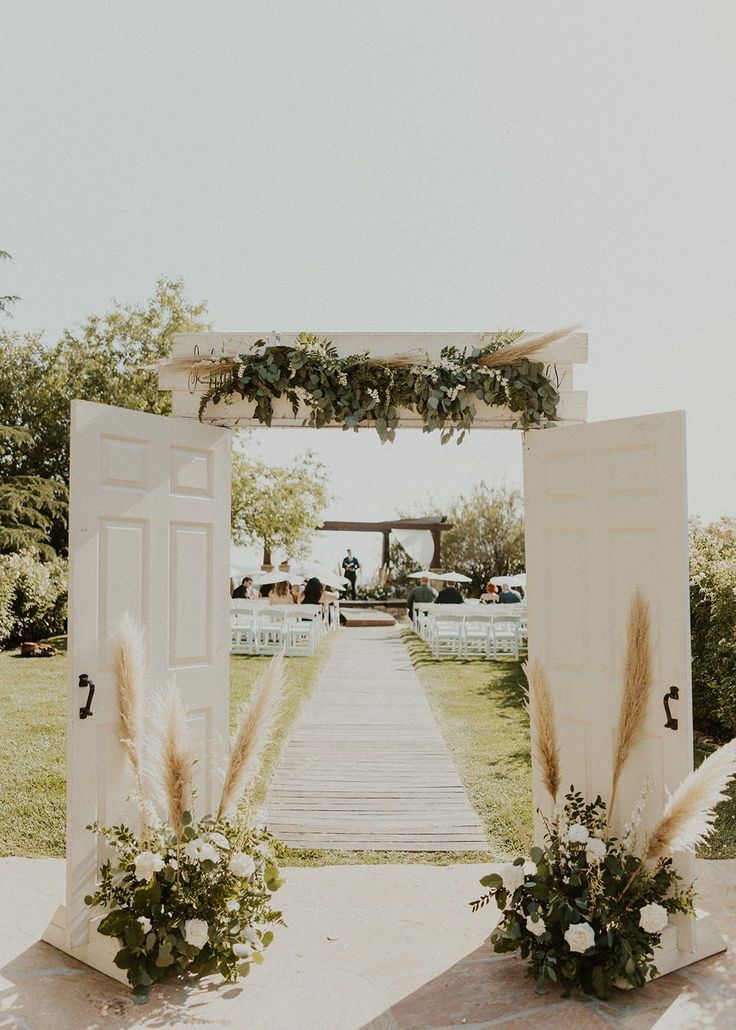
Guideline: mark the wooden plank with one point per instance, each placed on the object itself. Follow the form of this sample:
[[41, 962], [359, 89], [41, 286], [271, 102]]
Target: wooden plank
[[367, 768]]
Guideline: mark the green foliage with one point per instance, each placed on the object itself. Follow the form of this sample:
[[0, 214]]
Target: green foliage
[[33, 597], [358, 390], [568, 885], [195, 903], [713, 626], [28, 506], [488, 535], [103, 360], [9, 299], [401, 564], [278, 507]]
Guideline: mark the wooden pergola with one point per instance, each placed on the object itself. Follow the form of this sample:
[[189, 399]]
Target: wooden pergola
[[434, 524]]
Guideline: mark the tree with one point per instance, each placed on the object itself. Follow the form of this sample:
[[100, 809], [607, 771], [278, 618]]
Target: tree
[[28, 507], [104, 360], [488, 535], [8, 299], [278, 507]]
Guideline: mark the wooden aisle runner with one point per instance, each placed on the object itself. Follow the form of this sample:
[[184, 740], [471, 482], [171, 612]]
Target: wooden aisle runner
[[367, 767]]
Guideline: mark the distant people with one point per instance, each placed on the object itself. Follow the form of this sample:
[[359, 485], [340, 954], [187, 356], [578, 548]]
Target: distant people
[[449, 595], [509, 596], [490, 595], [350, 566], [423, 593], [281, 593], [245, 591]]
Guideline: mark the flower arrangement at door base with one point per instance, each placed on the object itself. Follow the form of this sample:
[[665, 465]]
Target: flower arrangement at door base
[[185, 895], [587, 910]]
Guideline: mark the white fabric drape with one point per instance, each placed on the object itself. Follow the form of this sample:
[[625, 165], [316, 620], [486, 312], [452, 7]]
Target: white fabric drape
[[417, 543]]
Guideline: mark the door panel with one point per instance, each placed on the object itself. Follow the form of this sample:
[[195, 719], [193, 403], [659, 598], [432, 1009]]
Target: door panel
[[606, 513], [149, 535]]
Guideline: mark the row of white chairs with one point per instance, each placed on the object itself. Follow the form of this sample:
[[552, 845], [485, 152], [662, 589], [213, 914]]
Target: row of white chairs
[[290, 629], [469, 630]]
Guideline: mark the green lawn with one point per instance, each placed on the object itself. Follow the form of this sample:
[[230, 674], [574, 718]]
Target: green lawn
[[32, 746]]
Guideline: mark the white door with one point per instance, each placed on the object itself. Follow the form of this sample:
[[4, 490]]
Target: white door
[[606, 513], [149, 534]]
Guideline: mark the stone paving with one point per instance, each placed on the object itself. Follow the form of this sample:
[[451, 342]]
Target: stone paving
[[389, 947]]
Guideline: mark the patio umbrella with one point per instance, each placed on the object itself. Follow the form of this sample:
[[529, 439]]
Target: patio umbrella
[[326, 576], [423, 575], [277, 577], [519, 580], [454, 577]]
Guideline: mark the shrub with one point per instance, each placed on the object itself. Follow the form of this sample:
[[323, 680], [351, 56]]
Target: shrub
[[713, 626], [33, 596]]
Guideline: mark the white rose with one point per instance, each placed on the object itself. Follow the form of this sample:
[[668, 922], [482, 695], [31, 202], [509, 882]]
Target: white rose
[[232, 905], [580, 937], [146, 924], [241, 950], [595, 850], [653, 918], [196, 932], [512, 876], [199, 850], [241, 864], [578, 834], [146, 864], [537, 928]]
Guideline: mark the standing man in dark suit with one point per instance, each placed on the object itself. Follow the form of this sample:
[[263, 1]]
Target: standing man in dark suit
[[350, 566]]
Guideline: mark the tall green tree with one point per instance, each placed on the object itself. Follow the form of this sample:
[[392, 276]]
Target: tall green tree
[[103, 360], [488, 535], [278, 507]]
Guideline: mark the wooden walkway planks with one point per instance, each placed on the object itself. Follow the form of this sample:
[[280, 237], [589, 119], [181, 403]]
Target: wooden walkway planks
[[367, 767]]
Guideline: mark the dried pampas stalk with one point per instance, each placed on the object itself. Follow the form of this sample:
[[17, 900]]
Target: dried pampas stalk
[[252, 734], [129, 662], [637, 690], [174, 760], [542, 723], [524, 347], [688, 816]]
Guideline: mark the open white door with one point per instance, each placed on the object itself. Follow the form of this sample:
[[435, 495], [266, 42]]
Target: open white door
[[149, 534], [606, 512]]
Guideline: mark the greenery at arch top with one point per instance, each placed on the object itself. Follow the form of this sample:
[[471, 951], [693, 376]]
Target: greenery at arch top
[[359, 390]]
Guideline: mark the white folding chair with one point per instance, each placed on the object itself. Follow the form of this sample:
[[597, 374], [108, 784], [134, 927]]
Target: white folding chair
[[242, 631], [269, 630], [446, 634], [506, 635], [478, 635], [420, 617], [301, 631]]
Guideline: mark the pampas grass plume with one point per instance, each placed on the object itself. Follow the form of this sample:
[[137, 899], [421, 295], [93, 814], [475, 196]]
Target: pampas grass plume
[[637, 689], [688, 816], [543, 731], [252, 734], [129, 664], [173, 757], [524, 347]]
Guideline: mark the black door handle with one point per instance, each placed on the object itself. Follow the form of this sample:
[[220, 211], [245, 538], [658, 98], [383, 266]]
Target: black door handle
[[86, 710], [674, 694]]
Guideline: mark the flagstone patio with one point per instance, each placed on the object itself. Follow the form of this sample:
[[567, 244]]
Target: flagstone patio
[[366, 948]]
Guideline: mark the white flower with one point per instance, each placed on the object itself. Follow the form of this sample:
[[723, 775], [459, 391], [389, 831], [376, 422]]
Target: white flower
[[537, 928], [580, 937], [196, 932], [220, 839], [512, 876], [241, 864], [595, 850], [578, 834], [199, 850], [241, 950], [146, 924], [146, 864], [653, 918], [174, 864], [232, 905]]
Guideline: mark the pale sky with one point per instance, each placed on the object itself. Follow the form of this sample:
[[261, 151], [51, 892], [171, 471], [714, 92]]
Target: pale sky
[[412, 165]]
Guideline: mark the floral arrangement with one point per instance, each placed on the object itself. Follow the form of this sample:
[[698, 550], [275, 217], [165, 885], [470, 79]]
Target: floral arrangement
[[184, 895], [587, 910], [361, 390]]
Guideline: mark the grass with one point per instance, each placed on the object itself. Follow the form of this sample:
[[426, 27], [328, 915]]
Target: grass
[[33, 744]]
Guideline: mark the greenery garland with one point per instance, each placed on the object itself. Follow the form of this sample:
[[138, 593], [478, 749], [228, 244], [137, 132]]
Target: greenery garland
[[359, 390]]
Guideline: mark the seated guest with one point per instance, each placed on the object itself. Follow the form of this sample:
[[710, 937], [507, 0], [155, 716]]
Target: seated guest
[[315, 593], [245, 591], [491, 594], [509, 596], [280, 594], [449, 595], [422, 592]]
